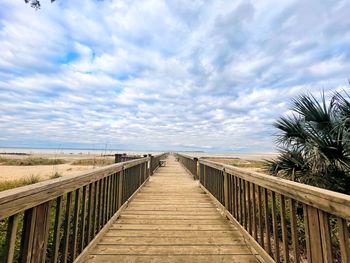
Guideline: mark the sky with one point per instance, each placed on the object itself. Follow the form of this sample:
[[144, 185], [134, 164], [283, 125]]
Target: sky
[[164, 75]]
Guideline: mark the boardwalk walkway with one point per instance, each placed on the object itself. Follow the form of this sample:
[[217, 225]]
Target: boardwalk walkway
[[171, 220]]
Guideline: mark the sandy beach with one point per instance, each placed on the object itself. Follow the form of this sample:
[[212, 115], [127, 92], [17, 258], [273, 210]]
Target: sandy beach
[[44, 172]]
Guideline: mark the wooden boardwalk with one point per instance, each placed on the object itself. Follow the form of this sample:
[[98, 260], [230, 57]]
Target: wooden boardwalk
[[171, 220]]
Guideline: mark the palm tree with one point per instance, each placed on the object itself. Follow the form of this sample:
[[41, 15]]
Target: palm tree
[[314, 143]]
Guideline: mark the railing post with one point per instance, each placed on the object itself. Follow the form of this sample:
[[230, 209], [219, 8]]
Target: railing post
[[225, 189], [117, 158], [35, 234], [195, 172], [151, 164], [120, 188]]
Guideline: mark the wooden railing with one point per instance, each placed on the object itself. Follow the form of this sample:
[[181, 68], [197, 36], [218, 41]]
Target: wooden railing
[[58, 220], [189, 162], [285, 221], [155, 161]]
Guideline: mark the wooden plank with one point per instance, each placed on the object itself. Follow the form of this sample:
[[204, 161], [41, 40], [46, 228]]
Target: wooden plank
[[173, 258], [66, 228], [275, 228], [343, 237], [267, 222], [314, 234], [89, 214], [83, 255], [157, 221], [57, 227], [27, 235], [9, 248], [75, 223], [249, 208], [83, 220], [188, 240], [173, 233], [255, 226], [22, 198], [260, 218], [167, 219], [263, 255], [294, 231], [41, 232], [226, 191], [172, 227], [332, 202], [173, 249], [325, 236], [284, 229]]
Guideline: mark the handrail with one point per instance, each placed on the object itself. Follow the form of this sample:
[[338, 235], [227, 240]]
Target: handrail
[[55, 220], [190, 164], [155, 160], [281, 218], [332, 202]]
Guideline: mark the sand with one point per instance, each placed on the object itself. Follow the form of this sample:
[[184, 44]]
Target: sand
[[9, 172], [43, 171]]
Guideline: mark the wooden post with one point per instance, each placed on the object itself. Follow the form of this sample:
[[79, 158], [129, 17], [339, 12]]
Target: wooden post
[[195, 172], [120, 190], [225, 189], [312, 235], [117, 158], [35, 234], [151, 164]]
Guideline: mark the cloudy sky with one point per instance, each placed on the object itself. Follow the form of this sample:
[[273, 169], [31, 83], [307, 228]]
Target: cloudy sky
[[172, 74]]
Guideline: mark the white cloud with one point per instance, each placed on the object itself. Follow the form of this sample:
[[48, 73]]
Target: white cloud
[[210, 75]]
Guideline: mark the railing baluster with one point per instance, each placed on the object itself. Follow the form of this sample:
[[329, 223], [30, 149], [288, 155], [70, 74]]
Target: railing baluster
[[9, 248], [284, 229], [90, 201], [66, 229], [344, 240], [249, 208], [88, 223], [294, 231], [75, 223], [275, 229], [95, 209], [82, 224], [325, 236], [100, 204], [262, 241], [255, 227], [267, 221], [41, 232], [27, 235], [57, 227]]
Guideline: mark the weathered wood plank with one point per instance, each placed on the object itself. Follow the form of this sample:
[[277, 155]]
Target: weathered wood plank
[[173, 258], [328, 201], [172, 217]]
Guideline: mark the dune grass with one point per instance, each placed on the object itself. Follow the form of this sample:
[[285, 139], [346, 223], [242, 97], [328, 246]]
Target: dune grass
[[9, 184], [31, 161], [93, 162], [241, 163]]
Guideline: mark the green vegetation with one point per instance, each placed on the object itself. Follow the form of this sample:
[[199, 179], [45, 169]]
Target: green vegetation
[[30, 161], [241, 163], [32, 179], [314, 143], [93, 162], [55, 175]]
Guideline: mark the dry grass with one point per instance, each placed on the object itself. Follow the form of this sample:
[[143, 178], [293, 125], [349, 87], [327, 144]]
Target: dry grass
[[32, 179], [252, 164], [93, 162], [31, 161]]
